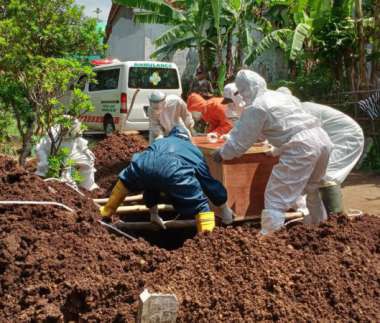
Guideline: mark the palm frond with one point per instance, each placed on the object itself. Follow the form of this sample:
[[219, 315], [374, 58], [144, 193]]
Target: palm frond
[[148, 17], [166, 51], [277, 37], [170, 35], [157, 6], [301, 32]]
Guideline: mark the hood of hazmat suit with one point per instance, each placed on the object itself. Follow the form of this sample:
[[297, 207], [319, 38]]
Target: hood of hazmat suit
[[236, 107], [250, 85], [175, 113], [285, 90], [213, 112], [175, 166]]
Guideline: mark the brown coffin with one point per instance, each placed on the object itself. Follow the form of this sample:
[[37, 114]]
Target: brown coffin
[[245, 178]]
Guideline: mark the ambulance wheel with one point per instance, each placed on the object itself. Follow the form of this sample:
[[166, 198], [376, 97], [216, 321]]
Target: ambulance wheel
[[108, 125]]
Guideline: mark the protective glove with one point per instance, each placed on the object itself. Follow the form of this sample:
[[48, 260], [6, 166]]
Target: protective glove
[[217, 157], [155, 218], [118, 195], [225, 137], [227, 214], [212, 137], [273, 152]]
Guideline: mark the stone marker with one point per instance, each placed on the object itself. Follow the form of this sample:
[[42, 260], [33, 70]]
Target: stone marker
[[157, 308]]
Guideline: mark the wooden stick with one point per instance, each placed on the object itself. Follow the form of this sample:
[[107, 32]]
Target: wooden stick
[[142, 208], [288, 216], [172, 224], [133, 198]]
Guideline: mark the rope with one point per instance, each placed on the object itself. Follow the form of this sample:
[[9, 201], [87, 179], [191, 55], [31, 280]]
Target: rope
[[37, 203]]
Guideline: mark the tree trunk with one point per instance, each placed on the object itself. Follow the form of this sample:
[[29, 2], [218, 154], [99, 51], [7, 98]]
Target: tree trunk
[[376, 45], [26, 146], [363, 83], [229, 58]]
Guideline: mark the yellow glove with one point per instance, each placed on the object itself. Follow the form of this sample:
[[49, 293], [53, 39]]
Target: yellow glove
[[117, 197]]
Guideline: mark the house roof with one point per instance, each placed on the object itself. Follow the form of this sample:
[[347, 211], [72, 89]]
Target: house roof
[[111, 18]]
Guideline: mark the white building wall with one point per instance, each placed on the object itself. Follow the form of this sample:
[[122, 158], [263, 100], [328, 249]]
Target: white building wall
[[130, 41]]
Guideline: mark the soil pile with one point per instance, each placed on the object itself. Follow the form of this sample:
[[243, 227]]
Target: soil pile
[[55, 266], [328, 273], [113, 154]]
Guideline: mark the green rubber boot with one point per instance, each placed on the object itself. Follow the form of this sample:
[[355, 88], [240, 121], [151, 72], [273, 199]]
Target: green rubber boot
[[331, 194]]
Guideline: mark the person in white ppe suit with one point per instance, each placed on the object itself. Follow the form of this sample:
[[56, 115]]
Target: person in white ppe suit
[[234, 102], [79, 153], [348, 143], [166, 112], [302, 145]]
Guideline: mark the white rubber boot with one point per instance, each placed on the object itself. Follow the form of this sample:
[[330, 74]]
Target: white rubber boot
[[271, 220], [227, 214], [155, 218], [316, 208]]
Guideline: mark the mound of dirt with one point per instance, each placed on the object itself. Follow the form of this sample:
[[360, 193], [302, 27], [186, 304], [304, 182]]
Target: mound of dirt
[[113, 154], [59, 266], [328, 273]]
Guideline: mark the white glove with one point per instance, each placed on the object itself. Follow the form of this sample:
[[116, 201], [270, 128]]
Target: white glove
[[212, 137], [273, 152], [155, 218], [225, 137], [227, 214]]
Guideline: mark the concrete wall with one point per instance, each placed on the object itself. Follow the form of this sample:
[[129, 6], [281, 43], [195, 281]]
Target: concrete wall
[[129, 41]]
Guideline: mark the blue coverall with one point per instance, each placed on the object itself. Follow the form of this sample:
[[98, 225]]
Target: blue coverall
[[177, 168]]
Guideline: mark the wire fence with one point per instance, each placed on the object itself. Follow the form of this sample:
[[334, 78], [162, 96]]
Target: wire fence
[[348, 102]]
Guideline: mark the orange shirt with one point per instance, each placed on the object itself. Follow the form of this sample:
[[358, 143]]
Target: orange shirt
[[213, 112]]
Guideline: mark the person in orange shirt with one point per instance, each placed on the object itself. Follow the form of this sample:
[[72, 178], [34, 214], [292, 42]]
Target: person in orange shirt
[[213, 113]]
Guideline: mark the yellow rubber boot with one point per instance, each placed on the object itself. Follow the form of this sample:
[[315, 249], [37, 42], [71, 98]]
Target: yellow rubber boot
[[205, 221], [117, 197]]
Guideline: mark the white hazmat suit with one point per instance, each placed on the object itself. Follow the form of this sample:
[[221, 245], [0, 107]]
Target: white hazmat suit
[[172, 111], [303, 146], [347, 138], [79, 153]]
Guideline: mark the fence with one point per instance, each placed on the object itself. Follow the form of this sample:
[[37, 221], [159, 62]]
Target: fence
[[347, 102]]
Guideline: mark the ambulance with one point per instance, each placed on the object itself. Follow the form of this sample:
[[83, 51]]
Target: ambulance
[[118, 84]]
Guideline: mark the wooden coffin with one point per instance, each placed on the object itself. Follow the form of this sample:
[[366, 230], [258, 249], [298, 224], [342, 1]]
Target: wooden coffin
[[245, 178]]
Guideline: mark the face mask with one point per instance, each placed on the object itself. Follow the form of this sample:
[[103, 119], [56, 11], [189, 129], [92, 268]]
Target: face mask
[[197, 115]]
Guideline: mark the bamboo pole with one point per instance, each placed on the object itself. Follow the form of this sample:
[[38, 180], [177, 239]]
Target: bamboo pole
[[133, 198], [142, 208]]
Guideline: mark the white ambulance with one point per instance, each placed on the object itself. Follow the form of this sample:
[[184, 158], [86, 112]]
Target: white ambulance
[[116, 85]]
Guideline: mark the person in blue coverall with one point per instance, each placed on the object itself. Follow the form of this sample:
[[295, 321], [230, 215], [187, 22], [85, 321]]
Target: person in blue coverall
[[175, 167]]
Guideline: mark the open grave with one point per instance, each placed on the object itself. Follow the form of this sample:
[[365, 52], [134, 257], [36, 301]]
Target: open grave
[[60, 265]]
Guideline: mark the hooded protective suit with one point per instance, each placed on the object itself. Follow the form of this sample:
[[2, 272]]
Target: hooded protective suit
[[171, 112], [236, 107], [174, 166], [80, 154], [303, 146], [213, 113]]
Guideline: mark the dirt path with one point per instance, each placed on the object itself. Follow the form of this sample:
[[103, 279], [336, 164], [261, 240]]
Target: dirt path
[[362, 191]]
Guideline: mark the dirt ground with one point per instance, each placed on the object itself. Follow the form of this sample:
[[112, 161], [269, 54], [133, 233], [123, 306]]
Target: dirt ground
[[362, 191]]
